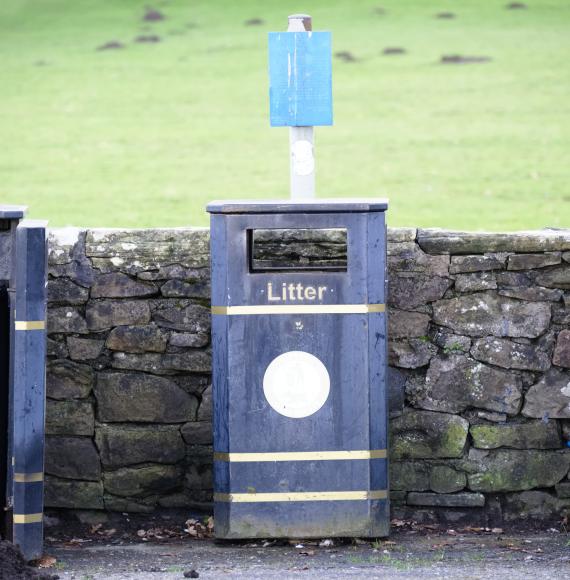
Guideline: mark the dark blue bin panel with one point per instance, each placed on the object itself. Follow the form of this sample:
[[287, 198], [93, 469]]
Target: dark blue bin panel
[[284, 476], [303, 519], [28, 387], [342, 423]]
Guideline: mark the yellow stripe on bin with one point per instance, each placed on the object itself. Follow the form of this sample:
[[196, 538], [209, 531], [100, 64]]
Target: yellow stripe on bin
[[30, 324], [298, 309], [301, 456], [301, 496], [28, 477], [28, 518]]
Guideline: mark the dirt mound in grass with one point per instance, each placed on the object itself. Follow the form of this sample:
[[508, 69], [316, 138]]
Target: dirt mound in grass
[[14, 567]]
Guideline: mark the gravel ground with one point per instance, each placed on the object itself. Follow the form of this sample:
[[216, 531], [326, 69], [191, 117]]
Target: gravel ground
[[412, 552]]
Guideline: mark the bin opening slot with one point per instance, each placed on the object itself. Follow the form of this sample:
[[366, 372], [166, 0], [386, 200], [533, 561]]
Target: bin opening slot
[[285, 250]]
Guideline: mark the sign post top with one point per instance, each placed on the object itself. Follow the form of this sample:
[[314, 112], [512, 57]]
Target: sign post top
[[300, 23]]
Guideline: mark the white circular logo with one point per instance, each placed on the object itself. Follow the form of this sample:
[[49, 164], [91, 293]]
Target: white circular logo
[[296, 384]]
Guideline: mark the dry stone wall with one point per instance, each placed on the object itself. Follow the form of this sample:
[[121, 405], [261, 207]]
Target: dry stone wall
[[479, 353]]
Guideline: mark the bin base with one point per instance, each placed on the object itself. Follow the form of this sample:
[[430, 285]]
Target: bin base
[[326, 519]]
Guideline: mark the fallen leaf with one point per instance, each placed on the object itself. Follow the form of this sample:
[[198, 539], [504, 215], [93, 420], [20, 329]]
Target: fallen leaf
[[45, 562]]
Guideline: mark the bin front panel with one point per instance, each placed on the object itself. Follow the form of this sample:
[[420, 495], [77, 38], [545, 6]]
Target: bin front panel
[[323, 473]]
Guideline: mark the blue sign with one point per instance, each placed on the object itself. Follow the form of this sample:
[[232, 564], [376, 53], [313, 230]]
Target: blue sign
[[300, 79]]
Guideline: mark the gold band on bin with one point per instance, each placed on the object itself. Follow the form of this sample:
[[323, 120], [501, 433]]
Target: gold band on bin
[[28, 477], [301, 496], [30, 324], [299, 309], [300, 456], [28, 518]]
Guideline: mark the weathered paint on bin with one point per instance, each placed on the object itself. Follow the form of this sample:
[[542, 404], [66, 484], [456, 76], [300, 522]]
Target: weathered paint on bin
[[325, 474]]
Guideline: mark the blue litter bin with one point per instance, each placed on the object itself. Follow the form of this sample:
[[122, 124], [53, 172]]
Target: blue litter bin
[[299, 369]]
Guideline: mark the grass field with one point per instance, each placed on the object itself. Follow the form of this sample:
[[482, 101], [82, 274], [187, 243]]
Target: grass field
[[147, 134]]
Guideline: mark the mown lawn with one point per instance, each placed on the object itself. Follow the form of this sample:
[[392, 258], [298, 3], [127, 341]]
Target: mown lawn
[[146, 134]]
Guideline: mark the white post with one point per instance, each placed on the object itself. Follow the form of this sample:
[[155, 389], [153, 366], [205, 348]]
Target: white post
[[301, 139]]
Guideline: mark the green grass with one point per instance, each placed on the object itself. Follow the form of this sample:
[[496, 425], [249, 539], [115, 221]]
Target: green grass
[[145, 136]]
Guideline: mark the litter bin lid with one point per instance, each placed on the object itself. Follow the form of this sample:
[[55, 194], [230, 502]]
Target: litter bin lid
[[300, 206], [9, 212]]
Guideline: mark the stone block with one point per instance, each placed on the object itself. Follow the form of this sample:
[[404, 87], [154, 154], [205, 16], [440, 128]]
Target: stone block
[[66, 319], [149, 362], [177, 272], [561, 356], [126, 505], [550, 397], [532, 293], [64, 291], [510, 355], [143, 481], [557, 277], [437, 241], [444, 479], [514, 470], [80, 271], [455, 382], [63, 244], [182, 316], [198, 433], [84, 348], [531, 505], [137, 339], [408, 257], [469, 264], [192, 361], [561, 314], [409, 290], [464, 499], [121, 445], [403, 324], [396, 391], [105, 314], [451, 343], [56, 349], [492, 416], [531, 435], [410, 354], [142, 398], [147, 249], [425, 434], [475, 282], [532, 261], [205, 411], [189, 340], [119, 285], [563, 489], [198, 476], [409, 476], [72, 458], [489, 314], [68, 380], [72, 494], [396, 235], [70, 418], [181, 289]]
